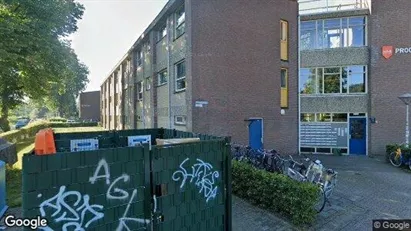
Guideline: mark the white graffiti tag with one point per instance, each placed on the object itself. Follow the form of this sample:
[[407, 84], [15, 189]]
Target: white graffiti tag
[[202, 174], [74, 214], [115, 193]]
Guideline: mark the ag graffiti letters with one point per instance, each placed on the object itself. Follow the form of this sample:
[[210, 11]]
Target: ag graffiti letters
[[202, 175], [71, 207]]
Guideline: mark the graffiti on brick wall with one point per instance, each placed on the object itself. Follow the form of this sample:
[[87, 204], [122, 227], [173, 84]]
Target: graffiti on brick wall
[[202, 175], [73, 213]]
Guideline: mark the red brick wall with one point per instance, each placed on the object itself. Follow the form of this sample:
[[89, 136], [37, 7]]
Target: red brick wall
[[389, 25], [235, 66]]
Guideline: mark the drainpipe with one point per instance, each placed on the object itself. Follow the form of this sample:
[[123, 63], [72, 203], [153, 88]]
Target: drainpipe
[[298, 85], [169, 38]]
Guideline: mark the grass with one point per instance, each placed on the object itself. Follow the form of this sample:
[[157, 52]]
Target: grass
[[13, 174], [78, 129]]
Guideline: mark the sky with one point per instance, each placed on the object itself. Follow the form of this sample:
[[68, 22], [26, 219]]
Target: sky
[[107, 30]]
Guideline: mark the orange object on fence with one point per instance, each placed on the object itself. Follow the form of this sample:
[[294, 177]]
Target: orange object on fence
[[44, 143]]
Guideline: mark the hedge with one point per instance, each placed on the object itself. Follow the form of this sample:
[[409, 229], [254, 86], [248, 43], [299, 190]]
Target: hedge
[[392, 147], [58, 119], [31, 130], [275, 192]]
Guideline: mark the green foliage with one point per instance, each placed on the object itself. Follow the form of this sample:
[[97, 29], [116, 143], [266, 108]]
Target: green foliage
[[35, 58], [31, 130], [275, 192], [392, 147]]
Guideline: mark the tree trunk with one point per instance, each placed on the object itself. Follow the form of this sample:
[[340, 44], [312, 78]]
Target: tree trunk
[[4, 118]]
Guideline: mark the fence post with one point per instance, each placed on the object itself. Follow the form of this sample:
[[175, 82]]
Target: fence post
[[148, 194], [228, 204]]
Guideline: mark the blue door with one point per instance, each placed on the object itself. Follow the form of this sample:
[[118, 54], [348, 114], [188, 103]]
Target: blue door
[[255, 133], [358, 138]]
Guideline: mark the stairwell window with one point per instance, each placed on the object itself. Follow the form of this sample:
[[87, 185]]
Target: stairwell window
[[162, 77], [284, 88], [140, 91], [284, 40], [180, 22], [139, 58], [180, 76], [162, 32]]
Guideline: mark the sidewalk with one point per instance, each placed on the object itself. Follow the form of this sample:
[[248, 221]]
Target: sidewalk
[[247, 217]]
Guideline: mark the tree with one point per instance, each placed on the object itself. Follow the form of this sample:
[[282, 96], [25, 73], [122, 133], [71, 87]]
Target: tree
[[34, 55]]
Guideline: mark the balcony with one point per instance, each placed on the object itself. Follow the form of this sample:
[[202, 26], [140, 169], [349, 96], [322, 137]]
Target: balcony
[[327, 6]]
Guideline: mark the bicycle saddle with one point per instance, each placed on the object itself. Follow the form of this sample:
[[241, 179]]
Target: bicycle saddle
[[330, 171]]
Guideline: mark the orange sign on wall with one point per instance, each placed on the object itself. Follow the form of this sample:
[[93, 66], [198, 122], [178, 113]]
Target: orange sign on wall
[[387, 51]]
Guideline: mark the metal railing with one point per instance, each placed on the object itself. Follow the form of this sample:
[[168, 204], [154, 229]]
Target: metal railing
[[323, 6]]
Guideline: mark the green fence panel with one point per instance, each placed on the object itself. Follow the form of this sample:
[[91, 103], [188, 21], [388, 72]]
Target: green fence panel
[[104, 189], [190, 185]]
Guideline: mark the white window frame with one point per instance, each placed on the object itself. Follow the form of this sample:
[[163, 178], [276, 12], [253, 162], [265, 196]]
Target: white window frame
[[140, 88], [342, 38], [159, 83], [160, 34], [182, 78], [148, 83], [182, 122], [139, 58], [178, 25], [317, 89]]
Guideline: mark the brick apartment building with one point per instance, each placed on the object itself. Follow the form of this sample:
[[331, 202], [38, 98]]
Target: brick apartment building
[[354, 64], [218, 67], [89, 106]]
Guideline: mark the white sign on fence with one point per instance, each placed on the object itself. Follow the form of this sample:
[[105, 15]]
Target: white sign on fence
[[136, 140], [83, 145]]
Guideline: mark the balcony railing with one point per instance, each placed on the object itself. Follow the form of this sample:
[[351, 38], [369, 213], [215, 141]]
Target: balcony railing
[[324, 6]]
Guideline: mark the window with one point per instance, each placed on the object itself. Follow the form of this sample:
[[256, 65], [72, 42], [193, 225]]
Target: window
[[140, 91], [148, 47], [139, 118], [333, 33], [333, 80], [180, 22], [284, 88], [307, 117], [181, 76], [139, 58], [307, 81], [148, 84], [324, 117], [284, 40], [180, 120], [162, 32], [339, 117], [162, 77], [308, 35], [356, 79]]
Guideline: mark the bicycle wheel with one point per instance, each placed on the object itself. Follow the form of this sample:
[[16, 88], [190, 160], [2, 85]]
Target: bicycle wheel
[[329, 187], [395, 159], [319, 206]]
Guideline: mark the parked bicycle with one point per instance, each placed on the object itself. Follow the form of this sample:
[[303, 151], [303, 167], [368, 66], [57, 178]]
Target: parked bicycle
[[272, 161], [326, 180], [397, 158]]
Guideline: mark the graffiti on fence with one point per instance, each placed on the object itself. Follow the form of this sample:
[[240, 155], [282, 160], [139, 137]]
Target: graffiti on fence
[[73, 214], [202, 174], [115, 193]]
